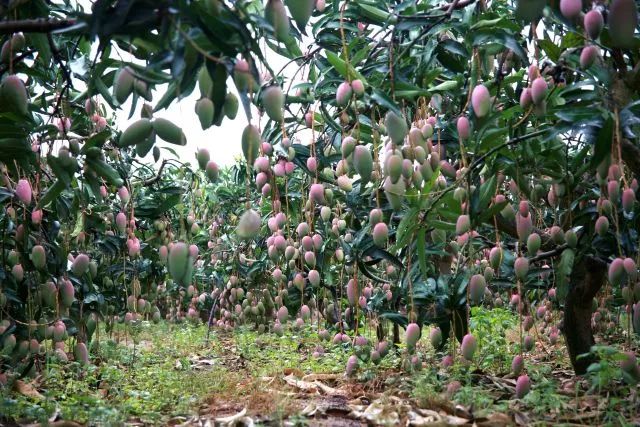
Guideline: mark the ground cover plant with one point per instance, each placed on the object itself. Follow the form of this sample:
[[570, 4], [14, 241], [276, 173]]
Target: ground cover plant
[[434, 219]]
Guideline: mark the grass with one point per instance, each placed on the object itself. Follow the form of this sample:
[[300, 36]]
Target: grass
[[155, 373], [152, 381]]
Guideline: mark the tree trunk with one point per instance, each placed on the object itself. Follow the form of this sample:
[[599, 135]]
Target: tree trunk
[[586, 280]]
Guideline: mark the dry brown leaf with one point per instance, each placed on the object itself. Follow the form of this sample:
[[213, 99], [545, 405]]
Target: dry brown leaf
[[26, 389], [322, 377]]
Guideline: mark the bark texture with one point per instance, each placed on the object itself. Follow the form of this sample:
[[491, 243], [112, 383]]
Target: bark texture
[[586, 280]]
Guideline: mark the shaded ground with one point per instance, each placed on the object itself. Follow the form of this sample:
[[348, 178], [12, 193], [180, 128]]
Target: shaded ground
[[171, 376]]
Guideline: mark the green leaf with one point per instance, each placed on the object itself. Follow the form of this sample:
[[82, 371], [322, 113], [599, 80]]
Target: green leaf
[[603, 142], [344, 69]]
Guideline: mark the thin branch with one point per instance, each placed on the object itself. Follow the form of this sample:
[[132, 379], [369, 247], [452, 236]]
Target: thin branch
[[40, 25], [461, 4], [153, 180]]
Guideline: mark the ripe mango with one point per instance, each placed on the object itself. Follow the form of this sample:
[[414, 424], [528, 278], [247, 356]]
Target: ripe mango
[[481, 100], [469, 346], [380, 234], [593, 23], [80, 265], [521, 268], [203, 156], [412, 334], [249, 224], [212, 171], [523, 385], [343, 94], [23, 191]]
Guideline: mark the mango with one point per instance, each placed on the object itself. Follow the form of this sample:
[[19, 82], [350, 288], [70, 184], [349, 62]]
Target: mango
[[380, 234], [469, 346], [517, 364], [276, 15], [523, 386], [250, 143], [396, 127], [283, 314], [393, 167], [316, 193], [435, 337], [13, 95], [616, 272], [136, 133], [602, 225], [249, 224], [521, 268], [123, 84], [203, 156], [205, 83], [363, 163], [66, 293], [464, 127], [169, 132], [463, 225], [394, 192], [571, 238], [343, 94], [524, 227], [23, 191], [570, 9], [628, 200], [539, 89], [143, 148], [178, 261], [81, 353], [230, 106], [205, 111], [17, 272], [352, 365], [481, 100], [477, 286], [80, 265], [273, 102], [212, 171], [593, 23], [412, 334], [39, 257], [588, 56]]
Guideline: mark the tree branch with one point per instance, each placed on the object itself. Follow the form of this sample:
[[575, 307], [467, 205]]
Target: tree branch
[[40, 25], [153, 180], [461, 4]]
